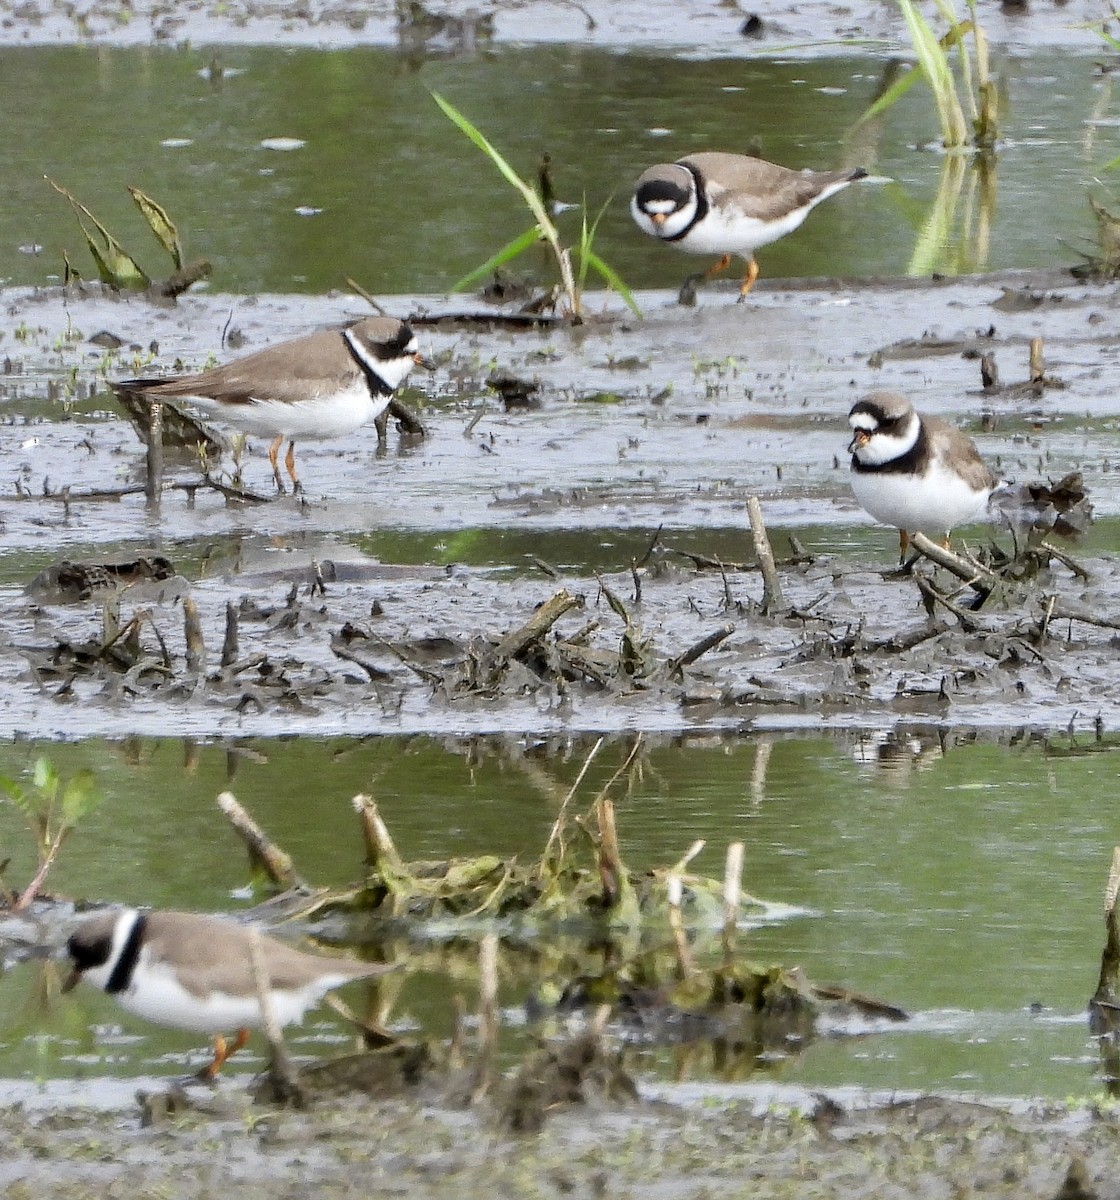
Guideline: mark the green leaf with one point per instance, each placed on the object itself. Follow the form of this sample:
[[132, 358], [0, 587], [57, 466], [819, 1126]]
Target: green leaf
[[114, 264], [531, 237], [161, 225], [43, 775], [13, 790], [79, 796]]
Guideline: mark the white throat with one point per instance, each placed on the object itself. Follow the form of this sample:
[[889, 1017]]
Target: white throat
[[882, 447], [391, 371], [677, 220]]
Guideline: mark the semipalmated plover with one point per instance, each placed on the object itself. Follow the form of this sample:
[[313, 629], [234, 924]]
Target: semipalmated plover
[[194, 972], [913, 472], [729, 204], [321, 386]]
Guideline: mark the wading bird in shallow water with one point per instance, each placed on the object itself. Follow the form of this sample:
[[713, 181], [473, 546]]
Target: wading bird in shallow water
[[913, 472], [194, 972], [728, 204], [325, 385]]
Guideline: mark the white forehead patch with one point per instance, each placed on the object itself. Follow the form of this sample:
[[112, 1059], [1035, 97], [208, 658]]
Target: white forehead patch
[[863, 420]]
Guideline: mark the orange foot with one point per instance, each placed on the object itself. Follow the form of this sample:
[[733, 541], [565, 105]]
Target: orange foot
[[223, 1051]]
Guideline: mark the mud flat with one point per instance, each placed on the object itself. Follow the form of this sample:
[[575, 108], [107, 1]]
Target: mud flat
[[913, 1146], [662, 427]]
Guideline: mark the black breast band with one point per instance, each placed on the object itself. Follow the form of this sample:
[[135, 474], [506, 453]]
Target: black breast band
[[377, 385], [701, 202], [130, 953], [912, 462]]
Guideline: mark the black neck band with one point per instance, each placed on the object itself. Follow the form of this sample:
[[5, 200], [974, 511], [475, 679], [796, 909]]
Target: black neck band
[[913, 461], [121, 976], [377, 385], [701, 203]]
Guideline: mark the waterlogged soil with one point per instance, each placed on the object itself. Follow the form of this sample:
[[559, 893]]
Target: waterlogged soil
[[915, 1147], [711, 29], [276, 614]]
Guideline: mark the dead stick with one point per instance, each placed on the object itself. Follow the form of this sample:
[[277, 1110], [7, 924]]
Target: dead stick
[[964, 569], [732, 891], [610, 857], [516, 641], [1066, 560], [281, 1075], [276, 864], [558, 825], [675, 893], [931, 593], [1038, 371], [701, 647], [192, 633], [153, 485], [772, 599], [230, 641], [487, 1012], [380, 850], [1068, 612]]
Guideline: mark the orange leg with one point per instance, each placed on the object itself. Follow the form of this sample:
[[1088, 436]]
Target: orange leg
[[290, 463], [222, 1052], [273, 455], [748, 279], [715, 268], [903, 544]]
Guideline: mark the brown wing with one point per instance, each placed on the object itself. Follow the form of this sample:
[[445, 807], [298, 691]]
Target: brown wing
[[280, 373], [216, 955], [949, 441], [763, 189]]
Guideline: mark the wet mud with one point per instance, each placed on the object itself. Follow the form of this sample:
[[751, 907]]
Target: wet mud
[[903, 1145], [220, 614], [227, 609], [467, 27]]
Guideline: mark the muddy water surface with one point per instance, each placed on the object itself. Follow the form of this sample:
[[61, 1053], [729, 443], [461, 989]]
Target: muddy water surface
[[934, 841]]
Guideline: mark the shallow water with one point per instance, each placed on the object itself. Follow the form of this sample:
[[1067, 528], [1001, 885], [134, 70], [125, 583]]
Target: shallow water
[[960, 879], [376, 184], [957, 875]]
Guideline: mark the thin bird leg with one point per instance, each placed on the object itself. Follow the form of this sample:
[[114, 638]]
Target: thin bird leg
[[290, 463], [223, 1051], [687, 294], [903, 544], [273, 455], [748, 279]]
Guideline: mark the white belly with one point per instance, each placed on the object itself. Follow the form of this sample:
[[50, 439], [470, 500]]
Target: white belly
[[330, 415], [934, 503], [157, 996], [725, 231]]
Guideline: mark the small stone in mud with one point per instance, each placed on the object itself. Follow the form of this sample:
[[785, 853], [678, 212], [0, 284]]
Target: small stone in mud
[[752, 27]]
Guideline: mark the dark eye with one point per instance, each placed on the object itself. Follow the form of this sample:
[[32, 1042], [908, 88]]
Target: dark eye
[[86, 953]]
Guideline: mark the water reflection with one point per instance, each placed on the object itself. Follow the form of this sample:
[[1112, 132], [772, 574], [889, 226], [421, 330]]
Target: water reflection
[[970, 890], [382, 188]]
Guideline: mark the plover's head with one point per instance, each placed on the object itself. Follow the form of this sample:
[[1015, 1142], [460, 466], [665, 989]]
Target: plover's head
[[664, 202], [884, 427], [95, 946]]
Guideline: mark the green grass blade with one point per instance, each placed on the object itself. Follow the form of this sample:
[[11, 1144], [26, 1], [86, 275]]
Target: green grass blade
[[934, 62], [892, 95], [612, 278], [532, 199], [510, 251]]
